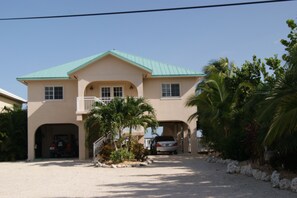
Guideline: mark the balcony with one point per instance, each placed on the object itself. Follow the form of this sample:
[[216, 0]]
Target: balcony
[[85, 104]]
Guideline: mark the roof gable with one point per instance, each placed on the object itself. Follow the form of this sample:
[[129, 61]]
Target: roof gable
[[11, 96], [157, 69]]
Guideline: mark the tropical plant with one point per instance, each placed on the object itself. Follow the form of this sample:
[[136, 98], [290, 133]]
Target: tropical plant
[[13, 134], [140, 153], [227, 104], [138, 113], [121, 155], [105, 119], [119, 113], [240, 108], [282, 102]]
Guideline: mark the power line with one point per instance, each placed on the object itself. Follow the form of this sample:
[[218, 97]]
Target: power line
[[143, 11]]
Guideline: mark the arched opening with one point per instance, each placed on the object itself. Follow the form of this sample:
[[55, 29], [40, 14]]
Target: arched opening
[[56, 141], [177, 129]]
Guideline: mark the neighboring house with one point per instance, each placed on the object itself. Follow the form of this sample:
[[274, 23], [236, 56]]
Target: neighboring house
[[9, 100], [60, 97]]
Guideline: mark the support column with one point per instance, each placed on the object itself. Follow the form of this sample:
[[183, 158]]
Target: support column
[[82, 139], [140, 89], [31, 140], [186, 138], [194, 143]]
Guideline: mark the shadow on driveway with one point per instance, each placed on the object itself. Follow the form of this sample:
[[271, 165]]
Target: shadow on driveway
[[188, 176]]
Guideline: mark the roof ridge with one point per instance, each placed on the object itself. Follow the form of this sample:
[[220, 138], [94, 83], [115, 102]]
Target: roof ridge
[[155, 61], [156, 68]]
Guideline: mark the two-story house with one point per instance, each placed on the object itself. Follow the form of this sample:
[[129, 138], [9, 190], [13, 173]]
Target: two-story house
[[60, 97], [9, 100]]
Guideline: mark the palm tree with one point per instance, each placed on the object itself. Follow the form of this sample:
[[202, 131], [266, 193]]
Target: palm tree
[[213, 97], [105, 119], [282, 102], [138, 113], [117, 115]]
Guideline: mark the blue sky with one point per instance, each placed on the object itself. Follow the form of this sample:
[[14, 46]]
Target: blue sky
[[189, 38]]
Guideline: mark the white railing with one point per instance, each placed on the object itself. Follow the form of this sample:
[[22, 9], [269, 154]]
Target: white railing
[[85, 104], [98, 144]]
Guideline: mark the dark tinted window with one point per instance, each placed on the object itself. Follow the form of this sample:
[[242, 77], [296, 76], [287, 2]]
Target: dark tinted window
[[164, 138]]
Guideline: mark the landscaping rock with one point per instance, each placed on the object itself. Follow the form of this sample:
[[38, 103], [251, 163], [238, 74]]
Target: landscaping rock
[[246, 170], [294, 184], [284, 184], [275, 179], [220, 161], [227, 161], [233, 167], [149, 161], [98, 164], [265, 177], [257, 174], [212, 159], [105, 166], [114, 166]]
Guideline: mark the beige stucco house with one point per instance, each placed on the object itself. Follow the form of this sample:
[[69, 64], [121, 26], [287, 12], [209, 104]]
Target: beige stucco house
[[9, 100], [60, 97]]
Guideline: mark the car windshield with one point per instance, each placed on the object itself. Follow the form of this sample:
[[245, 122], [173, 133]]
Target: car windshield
[[164, 138]]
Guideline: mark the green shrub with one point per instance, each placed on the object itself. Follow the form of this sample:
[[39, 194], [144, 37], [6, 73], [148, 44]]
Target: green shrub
[[106, 152], [139, 152], [13, 135], [121, 155]]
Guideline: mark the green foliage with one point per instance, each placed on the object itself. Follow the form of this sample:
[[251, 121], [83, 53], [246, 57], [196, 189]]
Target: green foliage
[[240, 107], [116, 115], [121, 155], [138, 112], [281, 102], [139, 152], [13, 135], [106, 152]]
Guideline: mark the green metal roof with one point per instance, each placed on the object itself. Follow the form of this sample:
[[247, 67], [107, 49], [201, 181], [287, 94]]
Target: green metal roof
[[156, 69]]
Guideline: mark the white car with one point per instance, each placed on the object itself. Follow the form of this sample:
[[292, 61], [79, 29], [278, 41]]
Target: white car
[[164, 144]]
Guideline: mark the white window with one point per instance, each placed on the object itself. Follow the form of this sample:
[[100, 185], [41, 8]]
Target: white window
[[117, 91], [170, 90], [111, 92], [105, 92], [53, 93]]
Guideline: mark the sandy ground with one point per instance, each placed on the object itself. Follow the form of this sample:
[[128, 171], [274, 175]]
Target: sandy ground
[[169, 176]]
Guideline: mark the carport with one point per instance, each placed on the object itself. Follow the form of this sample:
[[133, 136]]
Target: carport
[[179, 130], [56, 141]]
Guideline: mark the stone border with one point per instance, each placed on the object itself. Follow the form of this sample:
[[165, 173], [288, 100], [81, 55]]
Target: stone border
[[103, 165], [233, 167]]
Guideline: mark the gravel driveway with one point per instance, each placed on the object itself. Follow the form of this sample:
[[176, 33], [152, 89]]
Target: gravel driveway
[[170, 176]]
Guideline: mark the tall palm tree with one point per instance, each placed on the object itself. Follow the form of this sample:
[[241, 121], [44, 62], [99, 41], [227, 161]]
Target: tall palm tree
[[282, 102], [213, 97], [138, 112]]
